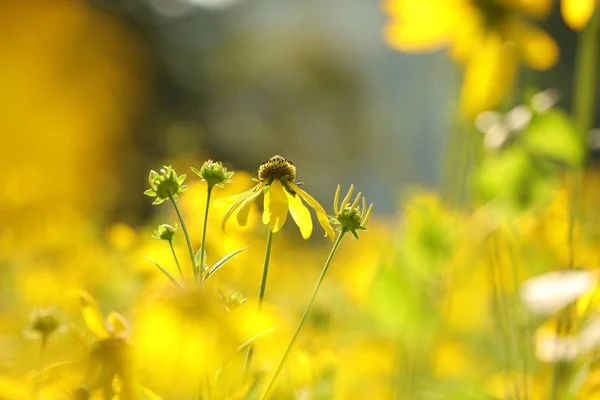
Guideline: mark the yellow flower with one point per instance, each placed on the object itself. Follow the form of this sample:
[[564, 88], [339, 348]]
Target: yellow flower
[[487, 37], [577, 13], [276, 178]]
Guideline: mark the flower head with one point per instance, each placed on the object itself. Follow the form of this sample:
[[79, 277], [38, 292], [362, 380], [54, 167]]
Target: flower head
[[276, 179], [165, 184], [214, 174], [165, 232], [43, 322], [351, 217], [489, 38]]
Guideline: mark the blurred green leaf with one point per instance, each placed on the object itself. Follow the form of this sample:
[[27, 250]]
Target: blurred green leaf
[[552, 135], [513, 179]]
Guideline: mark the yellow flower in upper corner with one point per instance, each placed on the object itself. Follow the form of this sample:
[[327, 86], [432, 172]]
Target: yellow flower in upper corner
[[577, 13], [487, 37], [276, 178]]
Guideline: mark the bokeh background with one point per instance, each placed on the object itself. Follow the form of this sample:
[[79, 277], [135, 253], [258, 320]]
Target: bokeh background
[[97, 93]]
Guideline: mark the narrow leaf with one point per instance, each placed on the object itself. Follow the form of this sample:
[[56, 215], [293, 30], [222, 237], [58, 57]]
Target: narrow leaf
[[223, 260], [167, 274], [240, 348]]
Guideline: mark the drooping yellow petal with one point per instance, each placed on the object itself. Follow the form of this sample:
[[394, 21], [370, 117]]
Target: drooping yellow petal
[[467, 33], [244, 209], [118, 324], [489, 73], [91, 315], [237, 203], [300, 214], [537, 48], [276, 206], [321, 214], [577, 13]]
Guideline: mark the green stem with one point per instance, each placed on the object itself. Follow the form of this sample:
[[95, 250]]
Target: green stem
[[305, 315], [261, 294], [176, 260], [201, 266], [185, 233], [40, 377], [585, 77]]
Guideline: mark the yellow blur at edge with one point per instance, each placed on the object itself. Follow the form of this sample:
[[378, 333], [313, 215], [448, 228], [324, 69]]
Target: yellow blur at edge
[[72, 80]]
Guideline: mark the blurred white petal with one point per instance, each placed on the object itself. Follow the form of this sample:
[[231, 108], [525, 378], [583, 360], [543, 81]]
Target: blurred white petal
[[551, 348], [548, 293], [486, 120], [518, 118], [543, 101], [589, 338]]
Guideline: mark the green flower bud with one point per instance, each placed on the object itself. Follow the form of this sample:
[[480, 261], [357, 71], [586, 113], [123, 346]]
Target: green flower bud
[[165, 184], [214, 174], [165, 232], [350, 217]]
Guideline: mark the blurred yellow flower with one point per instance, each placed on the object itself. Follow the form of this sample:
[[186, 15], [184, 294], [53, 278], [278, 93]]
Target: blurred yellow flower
[[487, 37], [577, 13], [276, 178]]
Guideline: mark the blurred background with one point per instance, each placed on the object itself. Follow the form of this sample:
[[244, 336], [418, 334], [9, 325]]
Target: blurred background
[[106, 90], [96, 93]]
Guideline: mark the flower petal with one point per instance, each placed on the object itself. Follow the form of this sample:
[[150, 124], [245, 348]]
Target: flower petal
[[236, 204], [244, 210], [300, 214], [118, 324], [488, 74], [577, 13], [91, 316], [537, 48], [321, 214], [548, 293], [419, 26], [276, 206]]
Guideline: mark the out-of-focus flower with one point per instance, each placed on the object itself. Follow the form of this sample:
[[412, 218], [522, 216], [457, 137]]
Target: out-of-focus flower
[[165, 232], [547, 294], [487, 37], [276, 178], [109, 359], [43, 322], [577, 13], [350, 217], [214, 174], [165, 184]]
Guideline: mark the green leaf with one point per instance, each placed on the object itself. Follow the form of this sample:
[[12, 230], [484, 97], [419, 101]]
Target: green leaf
[[552, 135], [223, 260], [164, 271], [514, 180]]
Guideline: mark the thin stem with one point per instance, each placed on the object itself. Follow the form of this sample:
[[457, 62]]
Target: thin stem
[[176, 260], [40, 377], [585, 76], [261, 294], [305, 315], [201, 266], [185, 233]]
